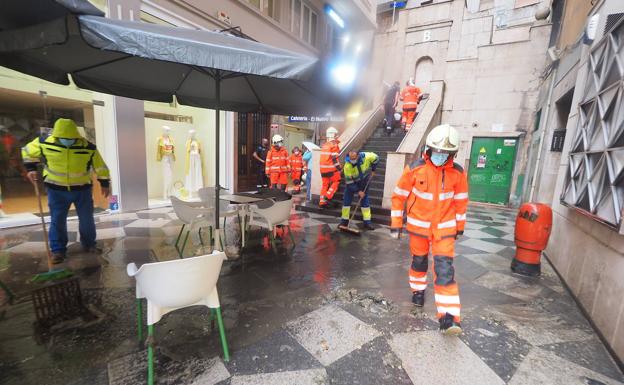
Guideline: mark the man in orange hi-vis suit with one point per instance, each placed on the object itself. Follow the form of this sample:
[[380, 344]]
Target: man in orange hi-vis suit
[[329, 167], [277, 166], [436, 192], [410, 97]]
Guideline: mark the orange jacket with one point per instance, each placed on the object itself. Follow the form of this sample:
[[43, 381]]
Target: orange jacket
[[409, 96], [277, 161], [296, 162], [437, 198], [329, 158]]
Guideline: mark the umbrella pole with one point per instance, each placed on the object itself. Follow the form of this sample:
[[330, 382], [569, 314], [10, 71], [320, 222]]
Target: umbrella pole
[[217, 158]]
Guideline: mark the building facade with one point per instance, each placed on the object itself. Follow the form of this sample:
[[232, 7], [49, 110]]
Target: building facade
[[578, 163], [489, 56]]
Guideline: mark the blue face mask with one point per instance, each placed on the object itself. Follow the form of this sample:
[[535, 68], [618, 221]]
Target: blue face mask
[[67, 142], [439, 158]]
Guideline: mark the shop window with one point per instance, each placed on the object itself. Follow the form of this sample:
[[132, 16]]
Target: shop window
[[269, 8], [295, 20], [594, 181]]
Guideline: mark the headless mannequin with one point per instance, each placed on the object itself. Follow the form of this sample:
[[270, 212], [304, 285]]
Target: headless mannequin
[[166, 155], [194, 175]]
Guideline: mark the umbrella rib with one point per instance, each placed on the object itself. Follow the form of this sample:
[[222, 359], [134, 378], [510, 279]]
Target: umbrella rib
[[102, 64], [186, 75], [253, 90]]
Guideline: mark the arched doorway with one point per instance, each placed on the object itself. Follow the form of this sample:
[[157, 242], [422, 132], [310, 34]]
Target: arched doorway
[[423, 73]]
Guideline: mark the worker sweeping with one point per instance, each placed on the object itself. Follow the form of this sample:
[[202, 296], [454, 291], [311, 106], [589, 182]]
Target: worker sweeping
[[329, 167], [358, 169], [410, 97], [277, 166], [68, 161], [436, 192], [297, 167]]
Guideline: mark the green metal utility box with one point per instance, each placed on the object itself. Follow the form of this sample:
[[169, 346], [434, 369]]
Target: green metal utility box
[[491, 169]]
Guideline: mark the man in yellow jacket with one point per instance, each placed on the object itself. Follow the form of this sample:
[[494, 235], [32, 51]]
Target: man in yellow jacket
[[68, 160]]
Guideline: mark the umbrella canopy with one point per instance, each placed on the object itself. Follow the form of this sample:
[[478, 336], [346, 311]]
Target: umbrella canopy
[[153, 62]]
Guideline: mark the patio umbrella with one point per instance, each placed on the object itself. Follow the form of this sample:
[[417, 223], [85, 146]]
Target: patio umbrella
[[157, 63]]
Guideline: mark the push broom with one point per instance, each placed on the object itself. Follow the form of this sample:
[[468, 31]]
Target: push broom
[[346, 227], [52, 274]]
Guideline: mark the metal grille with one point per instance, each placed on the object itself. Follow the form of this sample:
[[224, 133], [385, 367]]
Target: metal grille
[[58, 302], [612, 20], [595, 179]]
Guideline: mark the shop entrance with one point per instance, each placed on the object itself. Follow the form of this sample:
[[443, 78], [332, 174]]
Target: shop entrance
[[251, 129], [491, 169]]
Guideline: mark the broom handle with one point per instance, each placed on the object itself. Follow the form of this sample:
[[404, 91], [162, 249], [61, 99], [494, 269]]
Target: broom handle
[[45, 231], [357, 206]]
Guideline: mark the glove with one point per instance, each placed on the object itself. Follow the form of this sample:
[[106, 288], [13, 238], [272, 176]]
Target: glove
[[459, 234], [394, 233], [361, 194]]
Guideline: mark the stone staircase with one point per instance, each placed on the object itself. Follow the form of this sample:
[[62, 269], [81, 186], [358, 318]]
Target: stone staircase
[[380, 143]]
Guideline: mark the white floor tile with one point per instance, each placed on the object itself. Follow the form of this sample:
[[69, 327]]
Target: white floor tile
[[330, 333], [432, 358], [542, 367]]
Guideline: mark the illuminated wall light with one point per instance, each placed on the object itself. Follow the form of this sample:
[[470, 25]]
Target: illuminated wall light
[[334, 16]]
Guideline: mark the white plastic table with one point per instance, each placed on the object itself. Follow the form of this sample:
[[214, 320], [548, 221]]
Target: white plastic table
[[243, 201]]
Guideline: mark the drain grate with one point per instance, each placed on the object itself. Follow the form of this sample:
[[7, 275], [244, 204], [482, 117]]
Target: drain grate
[[58, 302]]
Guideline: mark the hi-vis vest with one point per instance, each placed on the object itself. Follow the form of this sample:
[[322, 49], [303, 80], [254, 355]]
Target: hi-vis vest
[[64, 166], [437, 199], [367, 161]]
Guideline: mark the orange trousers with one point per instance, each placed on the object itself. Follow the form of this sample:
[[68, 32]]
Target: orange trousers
[[329, 187], [444, 285], [279, 178], [296, 179], [408, 117]]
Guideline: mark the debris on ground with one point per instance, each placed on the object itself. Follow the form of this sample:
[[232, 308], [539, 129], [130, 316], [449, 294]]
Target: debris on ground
[[375, 303]]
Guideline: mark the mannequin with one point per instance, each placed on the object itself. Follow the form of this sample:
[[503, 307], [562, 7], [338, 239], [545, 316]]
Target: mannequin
[[166, 154], [194, 174]]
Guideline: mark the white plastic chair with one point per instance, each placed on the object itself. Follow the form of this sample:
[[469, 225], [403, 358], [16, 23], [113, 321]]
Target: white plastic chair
[[271, 215], [193, 215], [172, 285], [207, 196]]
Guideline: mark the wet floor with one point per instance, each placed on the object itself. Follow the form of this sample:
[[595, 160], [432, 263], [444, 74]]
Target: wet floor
[[330, 309]]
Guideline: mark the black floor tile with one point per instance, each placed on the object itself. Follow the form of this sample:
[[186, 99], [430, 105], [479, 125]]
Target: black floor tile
[[279, 352], [372, 364]]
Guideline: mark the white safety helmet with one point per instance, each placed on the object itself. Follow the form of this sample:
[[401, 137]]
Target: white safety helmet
[[331, 133], [277, 139], [411, 82], [443, 138]]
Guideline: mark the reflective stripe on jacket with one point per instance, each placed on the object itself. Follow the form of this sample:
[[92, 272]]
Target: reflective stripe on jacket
[[63, 166], [436, 197], [277, 161], [367, 162], [410, 96], [329, 162]]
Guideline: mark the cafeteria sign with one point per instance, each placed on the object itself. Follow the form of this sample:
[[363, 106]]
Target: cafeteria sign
[[315, 119]]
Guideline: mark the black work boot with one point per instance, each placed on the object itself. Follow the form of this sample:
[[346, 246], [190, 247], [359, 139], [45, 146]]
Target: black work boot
[[449, 326], [418, 298], [368, 226], [58, 257]]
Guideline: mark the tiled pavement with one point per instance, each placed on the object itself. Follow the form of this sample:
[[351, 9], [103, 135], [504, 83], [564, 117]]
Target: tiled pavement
[[334, 310]]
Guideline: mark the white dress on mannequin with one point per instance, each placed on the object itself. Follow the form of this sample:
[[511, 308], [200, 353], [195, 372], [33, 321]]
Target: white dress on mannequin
[[166, 155], [194, 175]]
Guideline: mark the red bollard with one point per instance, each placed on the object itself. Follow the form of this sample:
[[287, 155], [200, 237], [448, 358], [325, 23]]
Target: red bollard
[[533, 226]]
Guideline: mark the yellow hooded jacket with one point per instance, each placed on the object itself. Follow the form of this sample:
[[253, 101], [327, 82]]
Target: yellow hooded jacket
[[66, 167]]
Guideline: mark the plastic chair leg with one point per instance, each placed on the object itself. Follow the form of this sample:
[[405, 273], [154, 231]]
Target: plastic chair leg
[[181, 251], [150, 355], [177, 242], [139, 309], [224, 345]]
